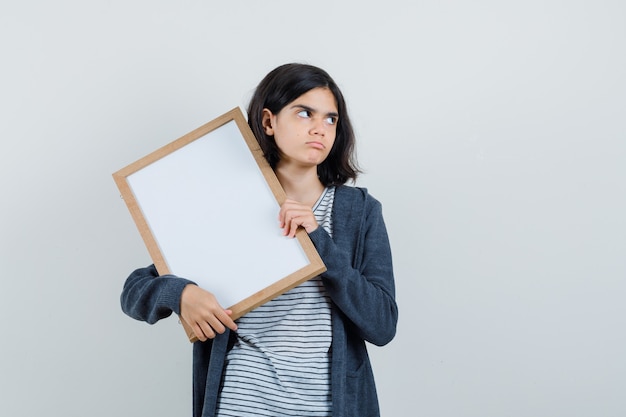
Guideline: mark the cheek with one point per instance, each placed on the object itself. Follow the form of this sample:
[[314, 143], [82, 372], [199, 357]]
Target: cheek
[[333, 140]]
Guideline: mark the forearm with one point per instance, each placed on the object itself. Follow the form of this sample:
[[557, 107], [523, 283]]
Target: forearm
[[149, 297]]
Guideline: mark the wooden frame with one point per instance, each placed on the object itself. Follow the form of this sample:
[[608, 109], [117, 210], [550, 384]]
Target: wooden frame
[[206, 206]]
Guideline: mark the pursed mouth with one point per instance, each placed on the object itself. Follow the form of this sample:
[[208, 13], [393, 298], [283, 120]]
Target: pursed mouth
[[318, 145]]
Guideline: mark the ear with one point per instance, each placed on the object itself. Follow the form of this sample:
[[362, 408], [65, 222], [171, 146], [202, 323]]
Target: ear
[[267, 122]]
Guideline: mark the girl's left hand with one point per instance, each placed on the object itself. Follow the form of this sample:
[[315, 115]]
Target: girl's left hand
[[293, 214]]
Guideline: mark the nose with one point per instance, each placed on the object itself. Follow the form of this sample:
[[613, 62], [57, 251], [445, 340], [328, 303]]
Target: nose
[[319, 127]]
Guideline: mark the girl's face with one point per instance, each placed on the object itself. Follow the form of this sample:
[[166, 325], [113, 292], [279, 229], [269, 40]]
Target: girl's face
[[305, 129]]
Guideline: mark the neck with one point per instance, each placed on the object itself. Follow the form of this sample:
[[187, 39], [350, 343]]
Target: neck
[[300, 184]]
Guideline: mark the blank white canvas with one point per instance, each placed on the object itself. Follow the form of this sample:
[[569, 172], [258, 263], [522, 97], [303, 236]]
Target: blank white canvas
[[214, 217]]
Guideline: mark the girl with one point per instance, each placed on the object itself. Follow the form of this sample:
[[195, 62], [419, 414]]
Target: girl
[[303, 353]]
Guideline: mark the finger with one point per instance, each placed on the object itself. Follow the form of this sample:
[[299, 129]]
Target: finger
[[295, 223], [286, 225], [283, 209], [286, 211], [226, 320], [207, 330], [216, 325], [197, 330], [286, 221], [281, 215]]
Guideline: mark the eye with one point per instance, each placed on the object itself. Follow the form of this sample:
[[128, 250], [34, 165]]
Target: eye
[[331, 120], [304, 113]]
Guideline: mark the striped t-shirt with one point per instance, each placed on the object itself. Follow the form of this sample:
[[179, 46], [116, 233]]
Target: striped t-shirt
[[280, 363]]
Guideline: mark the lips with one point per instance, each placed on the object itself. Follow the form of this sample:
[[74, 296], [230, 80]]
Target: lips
[[316, 145]]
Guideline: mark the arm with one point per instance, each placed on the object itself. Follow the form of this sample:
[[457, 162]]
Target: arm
[[365, 294], [149, 297]]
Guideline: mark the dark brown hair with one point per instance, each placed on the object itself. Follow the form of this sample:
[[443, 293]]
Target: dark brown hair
[[284, 85]]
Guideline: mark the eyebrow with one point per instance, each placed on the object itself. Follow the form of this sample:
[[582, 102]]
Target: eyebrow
[[312, 110]]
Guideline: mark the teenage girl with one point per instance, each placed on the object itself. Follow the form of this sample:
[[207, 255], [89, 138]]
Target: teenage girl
[[303, 353]]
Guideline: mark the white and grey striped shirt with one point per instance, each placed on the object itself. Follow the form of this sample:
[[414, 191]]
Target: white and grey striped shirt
[[280, 363]]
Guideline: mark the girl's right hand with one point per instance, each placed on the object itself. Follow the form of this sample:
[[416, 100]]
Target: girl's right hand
[[200, 309]]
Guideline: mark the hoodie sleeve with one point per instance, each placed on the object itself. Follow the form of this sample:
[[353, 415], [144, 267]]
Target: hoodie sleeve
[[361, 284], [148, 297]]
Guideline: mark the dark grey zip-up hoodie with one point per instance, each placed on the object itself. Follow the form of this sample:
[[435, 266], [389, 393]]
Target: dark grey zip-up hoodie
[[359, 280]]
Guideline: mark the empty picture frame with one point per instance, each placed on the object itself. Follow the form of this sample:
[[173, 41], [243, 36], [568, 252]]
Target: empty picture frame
[[206, 206]]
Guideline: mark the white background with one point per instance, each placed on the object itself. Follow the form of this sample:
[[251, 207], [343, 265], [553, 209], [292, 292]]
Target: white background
[[494, 133]]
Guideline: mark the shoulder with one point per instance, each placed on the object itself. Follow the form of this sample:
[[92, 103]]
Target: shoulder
[[355, 206], [350, 195]]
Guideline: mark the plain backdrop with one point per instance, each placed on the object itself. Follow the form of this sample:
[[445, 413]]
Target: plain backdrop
[[493, 132]]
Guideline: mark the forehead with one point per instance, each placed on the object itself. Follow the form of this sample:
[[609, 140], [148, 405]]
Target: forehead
[[319, 99]]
